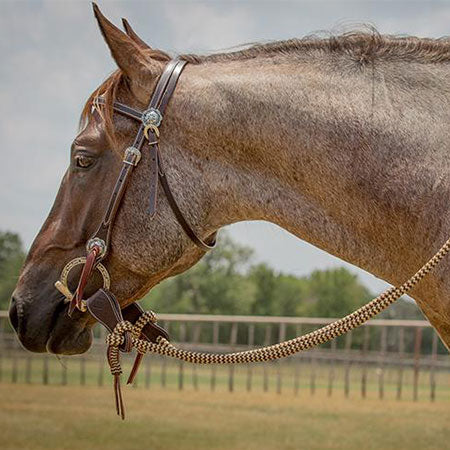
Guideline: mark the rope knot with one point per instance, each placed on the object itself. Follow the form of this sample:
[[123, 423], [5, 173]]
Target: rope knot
[[119, 338]]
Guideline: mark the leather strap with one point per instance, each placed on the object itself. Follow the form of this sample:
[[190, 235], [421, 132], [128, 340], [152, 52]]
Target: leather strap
[[104, 307], [147, 134], [180, 216], [160, 99]]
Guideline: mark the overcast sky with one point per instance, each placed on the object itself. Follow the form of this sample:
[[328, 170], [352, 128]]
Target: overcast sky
[[53, 57]]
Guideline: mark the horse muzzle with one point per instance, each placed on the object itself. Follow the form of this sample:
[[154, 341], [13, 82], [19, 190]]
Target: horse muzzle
[[45, 326]]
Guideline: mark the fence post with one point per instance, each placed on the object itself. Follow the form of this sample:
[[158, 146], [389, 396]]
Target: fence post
[[147, 372], [181, 362], [401, 356], [45, 371], [196, 340], [433, 366], [297, 359], [250, 343], [331, 368], [82, 371], [313, 363], [216, 337], [233, 340], [101, 364], [348, 347], [364, 361], [14, 371], [383, 348], [267, 337], [164, 361], [64, 373], [281, 338], [28, 370], [417, 346]]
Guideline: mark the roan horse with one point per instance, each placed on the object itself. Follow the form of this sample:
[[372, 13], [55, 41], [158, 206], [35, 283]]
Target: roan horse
[[341, 141]]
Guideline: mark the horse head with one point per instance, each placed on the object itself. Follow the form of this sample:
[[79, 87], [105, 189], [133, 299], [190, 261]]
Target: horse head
[[143, 250]]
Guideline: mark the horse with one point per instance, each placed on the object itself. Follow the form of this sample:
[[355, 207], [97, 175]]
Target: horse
[[342, 141]]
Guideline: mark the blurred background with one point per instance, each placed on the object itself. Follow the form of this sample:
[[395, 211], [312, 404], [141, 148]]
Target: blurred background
[[53, 57]]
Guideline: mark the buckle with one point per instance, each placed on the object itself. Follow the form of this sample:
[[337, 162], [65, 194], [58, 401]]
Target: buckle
[[132, 156]]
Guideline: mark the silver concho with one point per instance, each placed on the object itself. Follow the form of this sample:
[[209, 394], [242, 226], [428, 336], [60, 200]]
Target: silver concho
[[100, 243], [152, 116]]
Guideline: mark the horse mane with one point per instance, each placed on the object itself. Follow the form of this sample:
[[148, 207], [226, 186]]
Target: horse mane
[[363, 46]]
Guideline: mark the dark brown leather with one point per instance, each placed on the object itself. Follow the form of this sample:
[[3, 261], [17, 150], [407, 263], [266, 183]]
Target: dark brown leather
[[104, 307], [151, 331], [123, 109], [84, 277], [180, 216], [153, 196]]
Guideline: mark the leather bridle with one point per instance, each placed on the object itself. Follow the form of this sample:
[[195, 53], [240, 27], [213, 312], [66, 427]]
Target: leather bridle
[[147, 137]]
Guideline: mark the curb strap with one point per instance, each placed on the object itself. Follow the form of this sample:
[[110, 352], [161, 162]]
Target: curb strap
[[131, 322]]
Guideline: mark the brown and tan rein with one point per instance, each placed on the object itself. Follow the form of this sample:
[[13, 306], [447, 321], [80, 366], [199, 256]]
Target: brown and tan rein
[[132, 327]]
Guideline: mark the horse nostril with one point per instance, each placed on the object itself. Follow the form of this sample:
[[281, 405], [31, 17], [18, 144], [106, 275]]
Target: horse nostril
[[13, 314]]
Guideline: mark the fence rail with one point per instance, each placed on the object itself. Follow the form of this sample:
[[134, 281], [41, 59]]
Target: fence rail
[[384, 358]]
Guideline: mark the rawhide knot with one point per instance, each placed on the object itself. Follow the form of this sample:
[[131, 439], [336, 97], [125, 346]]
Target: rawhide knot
[[121, 336]]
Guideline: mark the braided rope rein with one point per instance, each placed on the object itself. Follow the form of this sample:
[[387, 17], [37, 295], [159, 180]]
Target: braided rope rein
[[276, 351]]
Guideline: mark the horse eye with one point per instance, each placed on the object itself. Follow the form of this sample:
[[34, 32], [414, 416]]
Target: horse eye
[[83, 161]]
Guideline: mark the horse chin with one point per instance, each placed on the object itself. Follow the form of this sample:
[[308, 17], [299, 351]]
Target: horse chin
[[69, 335], [46, 327]]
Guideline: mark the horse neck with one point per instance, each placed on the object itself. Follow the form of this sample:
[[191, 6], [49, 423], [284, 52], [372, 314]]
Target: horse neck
[[350, 159]]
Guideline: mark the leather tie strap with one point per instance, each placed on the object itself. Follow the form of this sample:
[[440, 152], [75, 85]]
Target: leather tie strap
[[124, 325], [84, 277]]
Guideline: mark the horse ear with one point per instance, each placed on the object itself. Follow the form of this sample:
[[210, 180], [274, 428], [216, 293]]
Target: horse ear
[[132, 34], [125, 51]]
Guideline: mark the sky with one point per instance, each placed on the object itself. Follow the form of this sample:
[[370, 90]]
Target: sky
[[53, 57]]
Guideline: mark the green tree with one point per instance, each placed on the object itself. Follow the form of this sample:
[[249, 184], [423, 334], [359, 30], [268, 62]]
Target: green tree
[[333, 293], [216, 285], [265, 281], [12, 256]]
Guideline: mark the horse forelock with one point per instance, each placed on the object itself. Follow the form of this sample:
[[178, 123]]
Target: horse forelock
[[109, 90]]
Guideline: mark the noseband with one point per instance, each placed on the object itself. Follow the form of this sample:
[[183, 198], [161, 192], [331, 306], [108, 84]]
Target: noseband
[[147, 137]]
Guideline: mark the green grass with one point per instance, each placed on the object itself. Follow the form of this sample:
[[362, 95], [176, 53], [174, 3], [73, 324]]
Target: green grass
[[74, 417]]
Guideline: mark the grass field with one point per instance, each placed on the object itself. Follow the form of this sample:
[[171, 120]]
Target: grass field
[[74, 417]]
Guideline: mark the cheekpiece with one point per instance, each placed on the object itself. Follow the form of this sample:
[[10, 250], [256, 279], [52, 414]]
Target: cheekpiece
[[152, 117]]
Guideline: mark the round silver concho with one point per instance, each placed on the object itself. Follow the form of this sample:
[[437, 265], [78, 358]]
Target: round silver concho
[[152, 116], [100, 243]]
